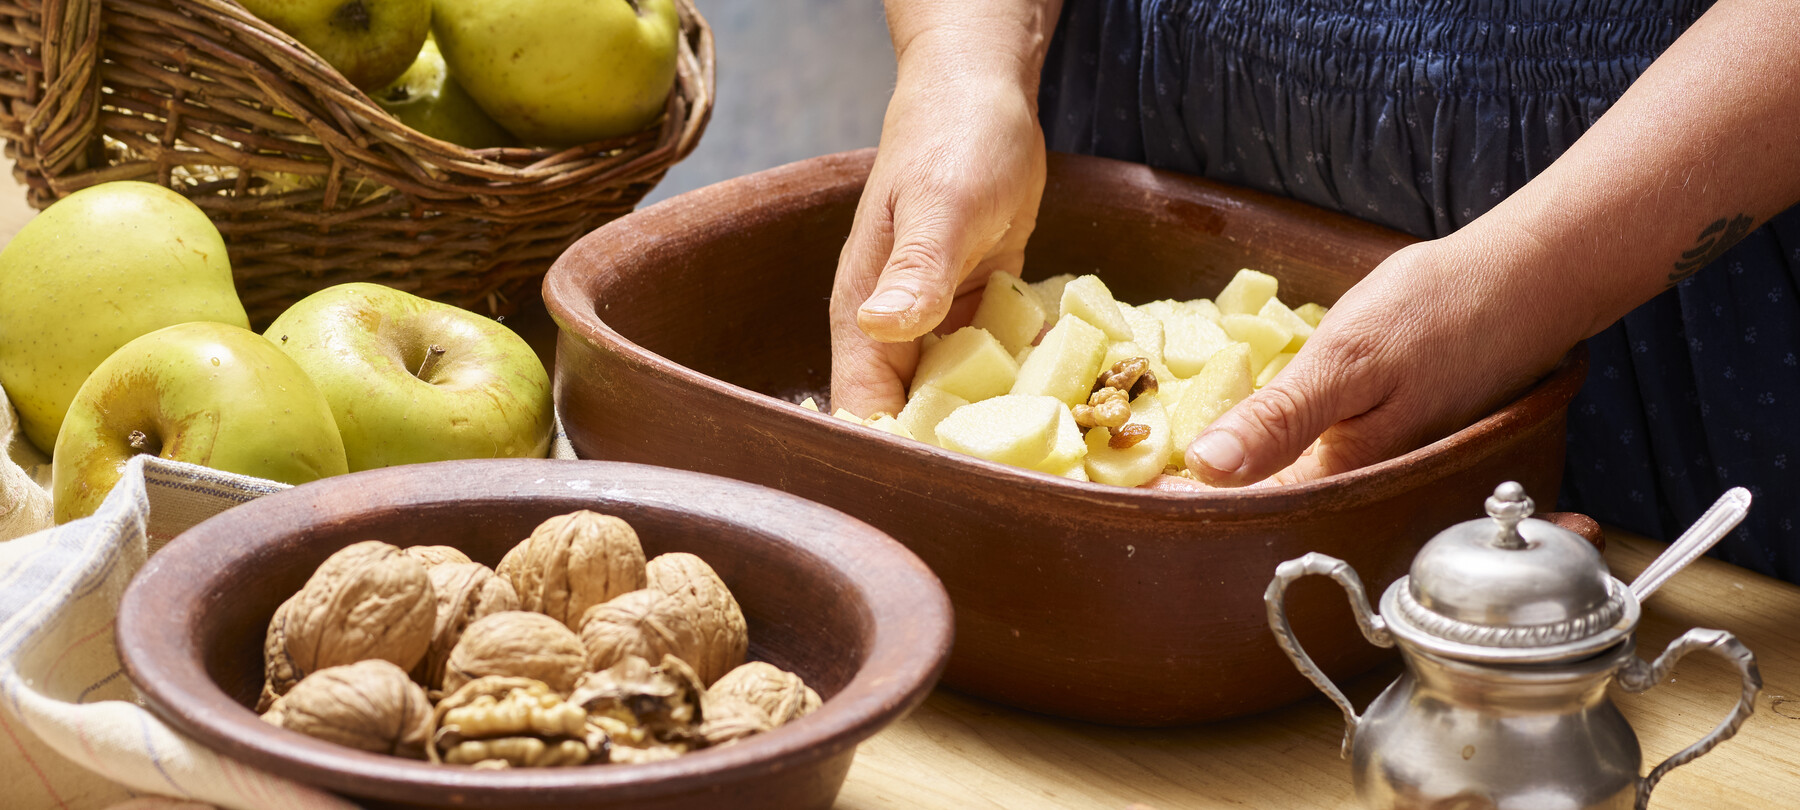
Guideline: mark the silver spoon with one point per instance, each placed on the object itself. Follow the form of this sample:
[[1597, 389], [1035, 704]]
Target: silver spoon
[[1718, 521]]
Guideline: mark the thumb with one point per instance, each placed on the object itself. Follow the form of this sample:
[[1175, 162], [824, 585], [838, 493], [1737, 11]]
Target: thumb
[[1269, 429], [932, 252]]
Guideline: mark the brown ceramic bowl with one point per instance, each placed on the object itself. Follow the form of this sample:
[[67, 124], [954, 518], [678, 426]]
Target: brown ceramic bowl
[[688, 328], [848, 609]]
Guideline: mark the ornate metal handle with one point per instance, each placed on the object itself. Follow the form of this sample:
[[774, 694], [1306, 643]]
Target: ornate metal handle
[[1373, 627], [1638, 676]]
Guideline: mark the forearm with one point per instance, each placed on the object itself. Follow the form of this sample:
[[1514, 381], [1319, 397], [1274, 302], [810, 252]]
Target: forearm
[[1703, 147], [1002, 38]]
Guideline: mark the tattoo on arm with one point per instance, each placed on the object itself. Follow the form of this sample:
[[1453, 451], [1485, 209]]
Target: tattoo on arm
[[1713, 242]]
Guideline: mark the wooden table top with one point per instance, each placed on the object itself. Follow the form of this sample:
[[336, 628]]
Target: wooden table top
[[960, 753]]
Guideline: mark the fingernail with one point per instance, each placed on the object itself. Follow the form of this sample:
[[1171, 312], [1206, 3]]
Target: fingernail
[[1220, 450], [891, 301]]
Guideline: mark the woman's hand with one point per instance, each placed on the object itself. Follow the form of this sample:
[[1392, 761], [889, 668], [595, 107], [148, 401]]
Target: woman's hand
[[953, 195]]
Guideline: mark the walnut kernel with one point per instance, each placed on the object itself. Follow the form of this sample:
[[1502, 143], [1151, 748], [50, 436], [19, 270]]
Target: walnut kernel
[[1107, 408], [500, 721], [1132, 375]]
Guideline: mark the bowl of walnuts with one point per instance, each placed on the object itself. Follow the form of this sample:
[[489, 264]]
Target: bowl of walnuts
[[531, 633]]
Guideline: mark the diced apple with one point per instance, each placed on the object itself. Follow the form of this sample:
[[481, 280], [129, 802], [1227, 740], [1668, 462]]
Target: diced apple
[[1276, 364], [1224, 382], [1022, 354], [1064, 363], [1277, 313], [1311, 313], [1204, 308], [1125, 350], [928, 340], [888, 424], [1161, 310], [1246, 292], [1088, 298], [1010, 311], [810, 404], [925, 409], [1050, 292], [1067, 450], [1266, 339], [1138, 463], [1189, 341], [1171, 390], [1076, 471], [969, 363], [1017, 430], [1146, 331], [846, 415]]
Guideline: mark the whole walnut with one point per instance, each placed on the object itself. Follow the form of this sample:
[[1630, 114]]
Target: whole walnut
[[369, 600], [436, 555], [648, 624], [465, 593], [729, 719], [726, 637], [370, 705], [573, 562], [519, 644], [780, 694]]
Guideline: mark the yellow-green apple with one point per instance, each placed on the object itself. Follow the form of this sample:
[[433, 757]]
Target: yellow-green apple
[[427, 98], [208, 393], [562, 72], [371, 42], [100, 267], [412, 380]]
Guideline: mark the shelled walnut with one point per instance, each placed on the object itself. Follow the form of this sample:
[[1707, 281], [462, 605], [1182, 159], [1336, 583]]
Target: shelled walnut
[[466, 593], [370, 705], [1131, 375], [519, 644], [499, 721], [647, 712], [725, 638], [367, 601], [573, 562]]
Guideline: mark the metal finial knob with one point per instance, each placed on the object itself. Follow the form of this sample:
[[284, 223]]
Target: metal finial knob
[[1508, 506]]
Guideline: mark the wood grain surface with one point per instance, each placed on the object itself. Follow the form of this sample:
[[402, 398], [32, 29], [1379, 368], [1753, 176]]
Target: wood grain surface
[[959, 753]]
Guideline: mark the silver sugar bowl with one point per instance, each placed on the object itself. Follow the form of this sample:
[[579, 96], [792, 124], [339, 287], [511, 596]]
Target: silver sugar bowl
[[1511, 629]]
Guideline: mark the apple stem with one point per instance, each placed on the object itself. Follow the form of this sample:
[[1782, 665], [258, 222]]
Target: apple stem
[[431, 362], [137, 440]]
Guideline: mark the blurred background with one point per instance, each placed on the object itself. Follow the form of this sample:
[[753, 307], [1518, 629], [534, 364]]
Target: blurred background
[[797, 78]]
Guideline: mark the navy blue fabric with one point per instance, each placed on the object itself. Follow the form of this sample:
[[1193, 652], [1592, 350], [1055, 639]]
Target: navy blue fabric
[[1423, 115]]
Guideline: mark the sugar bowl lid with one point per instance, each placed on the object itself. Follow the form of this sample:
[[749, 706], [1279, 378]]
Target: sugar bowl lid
[[1510, 588]]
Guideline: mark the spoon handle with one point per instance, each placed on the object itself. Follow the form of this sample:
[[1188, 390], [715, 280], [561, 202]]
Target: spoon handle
[[1718, 521]]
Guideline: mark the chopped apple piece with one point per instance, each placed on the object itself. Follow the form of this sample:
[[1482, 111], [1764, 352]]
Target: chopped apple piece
[[1205, 308], [1010, 311], [1065, 362], [1161, 310], [1067, 450], [1088, 298], [1050, 292], [846, 415], [1266, 339], [1224, 382], [1171, 390], [1022, 354], [1277, 313], [928, 340], [1017, 430], [1246, 292], [888, 424], [1146, 331], [1076, 471], [1276, 364], [1189, 340], [1134, 465], [1125, 350], [925, 409], [969, 363], [810, 404], [1311, 313]]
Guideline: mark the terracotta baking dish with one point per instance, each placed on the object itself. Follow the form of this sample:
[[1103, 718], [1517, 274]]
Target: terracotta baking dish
[[687, 329], [848, 609]]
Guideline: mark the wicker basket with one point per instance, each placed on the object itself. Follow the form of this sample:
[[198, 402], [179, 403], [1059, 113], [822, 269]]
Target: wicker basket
[[310, 182]]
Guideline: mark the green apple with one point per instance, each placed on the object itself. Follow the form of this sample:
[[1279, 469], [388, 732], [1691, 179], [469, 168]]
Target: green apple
[[100, 267], [371, 42], [427, 98], [562, 72], [412, 380], [207, 393]]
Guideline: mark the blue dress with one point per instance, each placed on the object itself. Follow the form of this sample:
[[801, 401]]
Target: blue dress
[[1423, 115]]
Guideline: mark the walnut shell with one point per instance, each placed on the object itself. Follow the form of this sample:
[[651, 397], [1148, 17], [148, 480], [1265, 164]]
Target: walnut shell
[[780, 694], [573, 562], [520, 644], [726, 638], [370, 705], [465, 593], [369, 600], [436, 555], [643, 707], [731, 719], [648, 624]]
